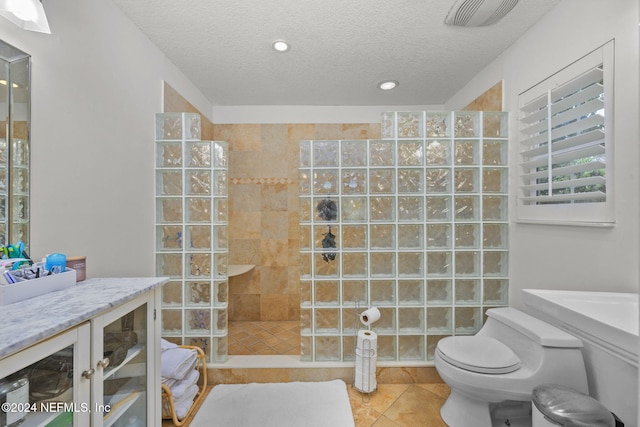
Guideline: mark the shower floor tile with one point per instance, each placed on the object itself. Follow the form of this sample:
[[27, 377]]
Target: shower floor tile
[[264, 337]]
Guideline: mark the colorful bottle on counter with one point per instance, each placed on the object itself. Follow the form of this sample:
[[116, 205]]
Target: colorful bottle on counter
[[56, 263]]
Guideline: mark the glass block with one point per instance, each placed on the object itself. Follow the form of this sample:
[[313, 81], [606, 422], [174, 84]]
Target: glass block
[[220, 349], [350, 321], [172, 294], [221, 155], [198, 293], [220, 264], [411, 347], [198, 155], [439, 236], [169, 126], [388, 125], [382, 208], [467, 236], [467, 292], [410, 125], [494, 153], [169, 265], [20, 208], [411, 292], [168, 154], [439, 208], [495, 124], [467, 263], [494, 180], [169, 237], [438, 263], [305, 265], [198, 321], [327, 292], [438, 153], [466, 124], [325, 181], [325, 153], [382, 181], [348, 348], [198, 209], [327, 348], [305, 209], [383, 264], [383, 292], [439, 292], [171, 321], [198, 182], [466, 208], [20, 180], [305, 154], [221, 187], [494, 264], [221, 293], [410, 181], [326, 267], [354, 181], [306, 293], [192, 126], [354, 292], [494, 208], [410, 153], [438, 124], [438, 180], [386, 347], [410, 208], [168, 183], [169, 210], [466, 153], [304, 181], [411, 320], [354, 209], [382, 153], [198, 265], [496, 291], [306, 317], [432, 344], [410, 236], [199, 236], [306, 349], [220, 210], [354, 153], [305, 237], [466, 180], [327, 320], [468, 320], [495, 236], [386, 323], [439, 320], [410, 264], [354, 264], [322, 237], [354, 237]]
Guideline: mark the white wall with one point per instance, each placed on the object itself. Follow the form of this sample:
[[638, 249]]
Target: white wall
[[96, 86], [565, 257]]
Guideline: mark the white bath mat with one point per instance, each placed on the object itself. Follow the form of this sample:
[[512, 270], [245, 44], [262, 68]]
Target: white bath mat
[[295, 404]]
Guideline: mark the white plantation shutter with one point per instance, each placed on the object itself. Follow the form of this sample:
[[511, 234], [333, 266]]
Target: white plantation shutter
[[566, 141]]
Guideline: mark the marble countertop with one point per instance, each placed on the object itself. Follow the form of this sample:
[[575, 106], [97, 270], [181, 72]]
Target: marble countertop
[[27, 322]]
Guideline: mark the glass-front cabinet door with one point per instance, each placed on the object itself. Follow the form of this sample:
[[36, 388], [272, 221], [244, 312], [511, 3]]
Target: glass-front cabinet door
[[119, 350], [48, 384]]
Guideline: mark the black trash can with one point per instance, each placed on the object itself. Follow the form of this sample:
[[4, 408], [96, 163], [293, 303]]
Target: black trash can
[[556, 405]]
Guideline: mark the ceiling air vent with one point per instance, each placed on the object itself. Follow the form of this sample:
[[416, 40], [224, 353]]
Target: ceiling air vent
[[478, 13]]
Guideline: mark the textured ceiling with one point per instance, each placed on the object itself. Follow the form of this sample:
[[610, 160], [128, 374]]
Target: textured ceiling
[[340, 49]]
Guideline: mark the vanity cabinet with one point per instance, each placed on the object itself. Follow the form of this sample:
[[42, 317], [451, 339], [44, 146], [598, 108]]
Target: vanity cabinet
[[102, 371]]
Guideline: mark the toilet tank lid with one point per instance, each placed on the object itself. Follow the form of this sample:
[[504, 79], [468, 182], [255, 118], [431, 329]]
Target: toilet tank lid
[[541, 332]]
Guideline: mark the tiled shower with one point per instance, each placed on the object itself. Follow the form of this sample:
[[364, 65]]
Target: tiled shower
[[415, 224]]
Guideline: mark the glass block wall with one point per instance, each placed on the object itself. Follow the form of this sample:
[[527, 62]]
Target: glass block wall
[[191, 233], [414, 223]]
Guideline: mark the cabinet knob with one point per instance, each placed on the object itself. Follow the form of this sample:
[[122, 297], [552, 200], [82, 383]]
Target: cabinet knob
[[103, 363], [88, 373]]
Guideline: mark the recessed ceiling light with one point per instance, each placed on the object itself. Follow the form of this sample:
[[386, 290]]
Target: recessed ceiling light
[[388, 85], [280, 45]]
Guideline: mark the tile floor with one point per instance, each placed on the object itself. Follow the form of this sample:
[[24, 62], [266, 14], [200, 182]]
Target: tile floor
[[264, 337], [392, 405]]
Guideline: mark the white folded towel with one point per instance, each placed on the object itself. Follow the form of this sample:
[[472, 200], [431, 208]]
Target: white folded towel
[[178, 388], [183, 404], [178, 362], [165, 345]]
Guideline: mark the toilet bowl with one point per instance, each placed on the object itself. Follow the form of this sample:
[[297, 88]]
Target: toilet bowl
[[493, 373]]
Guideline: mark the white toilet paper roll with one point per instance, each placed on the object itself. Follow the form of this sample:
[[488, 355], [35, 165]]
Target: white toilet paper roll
[[370, 316], [367, 340]]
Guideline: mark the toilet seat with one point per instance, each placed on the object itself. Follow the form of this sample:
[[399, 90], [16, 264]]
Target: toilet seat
[[479, 354]]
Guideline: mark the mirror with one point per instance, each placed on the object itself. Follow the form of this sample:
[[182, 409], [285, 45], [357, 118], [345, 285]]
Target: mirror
[[15, 81]]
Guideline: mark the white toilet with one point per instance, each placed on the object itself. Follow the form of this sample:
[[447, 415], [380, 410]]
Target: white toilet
[[493, 373]]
